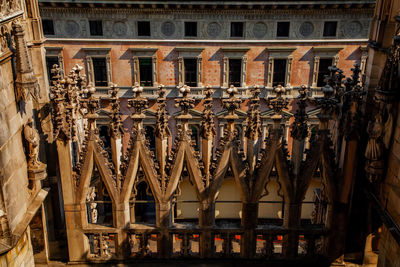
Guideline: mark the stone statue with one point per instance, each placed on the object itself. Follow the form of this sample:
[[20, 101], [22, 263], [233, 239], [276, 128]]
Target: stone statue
[[32, 137], [374, 150], [93, 206]]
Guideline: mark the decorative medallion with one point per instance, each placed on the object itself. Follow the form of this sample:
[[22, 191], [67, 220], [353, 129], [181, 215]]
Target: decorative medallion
[[119, 28], [71, 28], [259, 29], [352, 29], [306, 29], [168, 28], [213, 29]]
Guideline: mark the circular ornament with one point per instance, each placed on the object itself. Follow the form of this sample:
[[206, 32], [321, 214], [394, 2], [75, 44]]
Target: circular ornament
[[213, 29], [168, 28], [71, 28], [352, 29], [306, 29], [259, 29], [120, 28]]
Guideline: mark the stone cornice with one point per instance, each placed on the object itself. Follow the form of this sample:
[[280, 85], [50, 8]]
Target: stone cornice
[[310, 41], [235, 49], [281, 49], [189, 49], [328, 48], [267, 11], [143, 49]]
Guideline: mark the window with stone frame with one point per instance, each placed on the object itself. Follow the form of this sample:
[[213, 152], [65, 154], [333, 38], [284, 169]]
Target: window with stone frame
[[330, 28], [279, 66], [237, 29], [98, 66], [100, 71], [324, 64], [96, 27], [279, 76], [190, 29], [143, 28], [146, 71], [48, 26], [50, 62], [235, 70], [54, 56], [144, 63], [324, 57], [190, 65], [282, 29]]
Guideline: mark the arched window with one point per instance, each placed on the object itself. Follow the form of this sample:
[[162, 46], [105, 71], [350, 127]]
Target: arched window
[[98, 201], [142, 204]]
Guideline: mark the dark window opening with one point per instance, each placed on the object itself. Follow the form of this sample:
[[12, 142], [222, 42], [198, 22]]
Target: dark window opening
[[146, 72], [144, 206], [190, 71], [283, 29], [330, 28], [100, 71], [190, 29], [104, 134], [195, 137], [150, 135], [96, 27], [279, 72], [50, 62], [324, 64], [48, 27], [237, 29], [235, 69], [143, 28]]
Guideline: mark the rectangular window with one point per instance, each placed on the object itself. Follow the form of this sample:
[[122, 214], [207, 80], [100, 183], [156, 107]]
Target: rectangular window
[[190, 71], [279, 72], [282, 29], [50, 62], [235, 71], [237, 29], [143, 28], [146, 72], [324, 64], [190, 29], [96, 27], [48, 27], [330, 28], [100, 71]]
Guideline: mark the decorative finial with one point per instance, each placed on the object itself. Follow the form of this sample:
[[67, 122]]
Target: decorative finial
[[232, 103], [299, 126], [207, 123], [162, 129], [278, 103]]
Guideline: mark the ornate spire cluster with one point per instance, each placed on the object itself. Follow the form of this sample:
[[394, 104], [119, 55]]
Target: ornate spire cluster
[[232, 103], [66, 95], [185, 103], [278, 103]]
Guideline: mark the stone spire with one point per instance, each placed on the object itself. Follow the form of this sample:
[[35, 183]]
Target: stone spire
[[253, 120], [299, 126], [116, 126], [207, 123], [26, 82], [162, 129]]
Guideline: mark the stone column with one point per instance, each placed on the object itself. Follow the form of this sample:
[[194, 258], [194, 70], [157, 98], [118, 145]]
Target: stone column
[[249, 224], [291, 221], [163, 222], [206, 223]]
